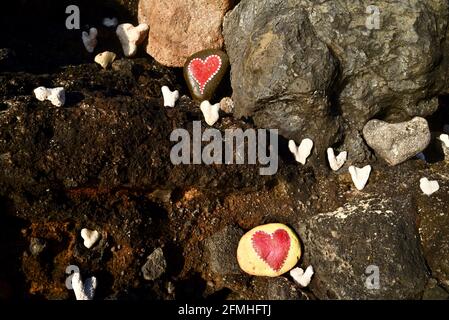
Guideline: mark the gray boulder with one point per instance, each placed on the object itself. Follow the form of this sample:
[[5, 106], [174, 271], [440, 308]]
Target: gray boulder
[[397, 142], [347, 245], [316, 69]]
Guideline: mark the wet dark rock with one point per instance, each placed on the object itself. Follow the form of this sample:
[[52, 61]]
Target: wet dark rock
[[155, 265], [221, 248], [303, 65], [371, 231]]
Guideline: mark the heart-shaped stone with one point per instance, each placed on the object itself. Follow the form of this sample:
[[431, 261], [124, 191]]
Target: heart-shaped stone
[[170, 97], [445, 139], [90, 39], [268, 250], [104, 59], [90, 237], [83, 290], [397, 142], [301, 152], [203, 72], [130, 37], [302, 277], [336, 162], [360, 176], [210, 112], [428, 187]]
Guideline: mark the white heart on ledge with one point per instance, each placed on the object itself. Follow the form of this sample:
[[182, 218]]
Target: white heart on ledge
[[428, 187], [90, 39], [302, 277], [83, 291], [210, 112], [445, 139], [55, 95], [130, 37], [360, 176], [336, 162], [170, 97], [301, 152], [89, 237]]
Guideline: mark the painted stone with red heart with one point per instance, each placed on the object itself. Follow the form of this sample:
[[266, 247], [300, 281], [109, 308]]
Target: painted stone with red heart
[[204, 71], [269, 250]]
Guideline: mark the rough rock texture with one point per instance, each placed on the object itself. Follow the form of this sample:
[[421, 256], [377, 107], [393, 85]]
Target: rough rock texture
[[434, 230], [397, 142], [302, 65], [155, 265], [373, 231], [222, 248], [179, 28]]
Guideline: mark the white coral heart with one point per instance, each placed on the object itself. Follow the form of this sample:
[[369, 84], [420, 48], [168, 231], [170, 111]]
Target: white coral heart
[[55, 95], [210, 112], [170, 97], [110, 22], [89, 237], [428, 187], [83, 291], [360, 176], [336, 162], [302, 152], [445, 139], [90, 39], [130, 37], [302, 277]]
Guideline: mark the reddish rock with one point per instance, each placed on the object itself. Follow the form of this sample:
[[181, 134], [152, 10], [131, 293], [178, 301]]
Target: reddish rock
[[179, 28]]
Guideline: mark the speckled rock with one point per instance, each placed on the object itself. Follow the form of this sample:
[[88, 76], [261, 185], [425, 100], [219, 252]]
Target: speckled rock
[[397, 142]]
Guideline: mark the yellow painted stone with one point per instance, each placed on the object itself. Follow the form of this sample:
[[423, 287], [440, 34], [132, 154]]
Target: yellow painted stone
[[268, 250]]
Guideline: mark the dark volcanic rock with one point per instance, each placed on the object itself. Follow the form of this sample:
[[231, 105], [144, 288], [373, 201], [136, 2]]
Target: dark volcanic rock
[[305, 65], [341, 245]]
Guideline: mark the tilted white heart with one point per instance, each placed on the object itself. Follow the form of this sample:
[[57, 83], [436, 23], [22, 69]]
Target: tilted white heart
[[130, 37], [83, 291], [302, 277], [90, 39], [89, 237], [360, 176], [104, 59], [302, 152], [336, 162], [110, 22], [445, 138], [170, 97], [55, 95], [428, 187], [210, 112]]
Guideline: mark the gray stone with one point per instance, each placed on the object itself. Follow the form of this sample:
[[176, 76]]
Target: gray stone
[[155, 265], [222, 248], [370, 231], [304, 65], [37, 246], [397, 142]]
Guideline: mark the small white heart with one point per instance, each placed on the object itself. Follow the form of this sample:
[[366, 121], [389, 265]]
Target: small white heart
[[210, 112], [90, 39], [104, 59], [336, 162], [110, 22], [130, 37], [55, 95], [302, 152], [89, 237], [428, 187], [170, 97], [83, 291], [302, 277], [445, 139], [360, 176]]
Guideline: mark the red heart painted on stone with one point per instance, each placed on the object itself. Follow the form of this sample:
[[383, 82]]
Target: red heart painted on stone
[[204, 71], [273, 249]]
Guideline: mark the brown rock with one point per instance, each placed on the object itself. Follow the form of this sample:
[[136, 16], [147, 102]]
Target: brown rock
[[179, 28]]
